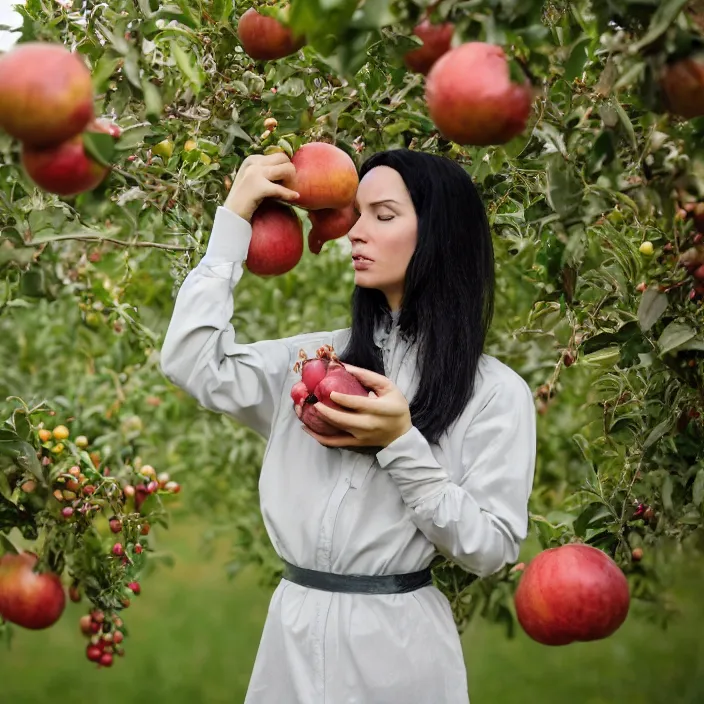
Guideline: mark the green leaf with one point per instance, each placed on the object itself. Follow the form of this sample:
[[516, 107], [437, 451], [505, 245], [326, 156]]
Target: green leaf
[[626, 122], [657, 432], [593, 516], [373, 14], [660, 22], [6, 545], [153, 104], [23, 455], [21, 423], [131, 69], [222, 9], [33, 283], [103, 71], [12, 516], [100, 146], [696, 343], [145, 9], [603, 358], [16, 255], [698, 488], [119, 43], [666, 492], [564, 190], [575, 65], [652, 305], [674, 336], [133, 136], [190, 71]]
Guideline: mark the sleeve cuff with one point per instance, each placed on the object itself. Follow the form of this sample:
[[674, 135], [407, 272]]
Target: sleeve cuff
[[229, 238], [412, 465]]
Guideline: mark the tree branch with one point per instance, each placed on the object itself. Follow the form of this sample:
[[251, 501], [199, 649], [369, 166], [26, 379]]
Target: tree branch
[[100, 238]]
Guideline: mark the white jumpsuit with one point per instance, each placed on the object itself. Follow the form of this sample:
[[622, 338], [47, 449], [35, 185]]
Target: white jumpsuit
[[350, 513]]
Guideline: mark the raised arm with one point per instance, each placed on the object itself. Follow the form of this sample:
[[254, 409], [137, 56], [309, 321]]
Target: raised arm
[[200, 352]]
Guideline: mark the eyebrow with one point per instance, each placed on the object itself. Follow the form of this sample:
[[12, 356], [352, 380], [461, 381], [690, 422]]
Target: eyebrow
[[378, 202]]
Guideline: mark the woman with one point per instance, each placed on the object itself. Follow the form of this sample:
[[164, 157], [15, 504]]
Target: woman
[[358, 517]]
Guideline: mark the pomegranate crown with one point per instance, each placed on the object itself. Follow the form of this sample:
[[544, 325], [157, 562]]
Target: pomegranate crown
[[325, 352]]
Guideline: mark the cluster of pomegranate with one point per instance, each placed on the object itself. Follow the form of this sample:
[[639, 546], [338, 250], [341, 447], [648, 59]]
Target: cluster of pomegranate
[[320, 376], [106, 635], [326, 179], [87, 500], [46, 102]]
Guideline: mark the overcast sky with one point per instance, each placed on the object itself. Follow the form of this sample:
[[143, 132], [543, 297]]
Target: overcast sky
[[8, 16]]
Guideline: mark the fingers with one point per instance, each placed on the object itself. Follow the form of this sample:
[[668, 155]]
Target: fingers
[[334, 440], [279, 172], [345, 420], [377, 382], [282, 192], [266, 159], [368, 404]]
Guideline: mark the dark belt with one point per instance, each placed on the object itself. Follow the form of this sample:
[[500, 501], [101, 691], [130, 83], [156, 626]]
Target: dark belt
[[358, 583]]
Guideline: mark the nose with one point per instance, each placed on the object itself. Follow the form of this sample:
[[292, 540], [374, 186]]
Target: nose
[[356, 233]]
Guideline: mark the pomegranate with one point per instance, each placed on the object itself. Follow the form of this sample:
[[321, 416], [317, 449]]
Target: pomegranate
[[265, 38], [682, 84], [437, 39], [326, 177], [46, 94], [321, 376], [86, 624], [93, 653], [27, 598], [66, 169], [692, 258], [571, 593], [329, 224], [471, 98], [698, 214], [277, 240]]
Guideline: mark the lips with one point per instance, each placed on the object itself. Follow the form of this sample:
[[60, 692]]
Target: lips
[[360, 258]]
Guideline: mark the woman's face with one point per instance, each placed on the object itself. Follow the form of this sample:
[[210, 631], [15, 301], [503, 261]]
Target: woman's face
[[385, 235]]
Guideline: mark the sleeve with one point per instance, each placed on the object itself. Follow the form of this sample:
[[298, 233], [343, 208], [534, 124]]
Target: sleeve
[[481, 521], [200, 353]]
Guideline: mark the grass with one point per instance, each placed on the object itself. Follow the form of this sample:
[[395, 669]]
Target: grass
[[194, 635]]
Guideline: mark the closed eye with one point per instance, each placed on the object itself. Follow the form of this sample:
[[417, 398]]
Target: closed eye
[[385, 219]]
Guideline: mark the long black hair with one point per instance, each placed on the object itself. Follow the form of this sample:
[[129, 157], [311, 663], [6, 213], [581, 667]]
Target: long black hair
[[448, 299]]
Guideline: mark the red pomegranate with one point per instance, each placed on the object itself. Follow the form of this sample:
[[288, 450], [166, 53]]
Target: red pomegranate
[[472, 99], [326, 176], [682, 84], [46, 94], [66, 169], [437, 39], [329, 224], [571, 593], [321, 376], [265, 38], [277, 240], [27, 598]]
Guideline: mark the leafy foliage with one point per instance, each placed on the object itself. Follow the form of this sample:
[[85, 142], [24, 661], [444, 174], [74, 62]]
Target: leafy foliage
[[88, 283]]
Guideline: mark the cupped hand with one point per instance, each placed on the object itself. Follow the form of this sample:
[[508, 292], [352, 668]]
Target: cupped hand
[[374, 420]]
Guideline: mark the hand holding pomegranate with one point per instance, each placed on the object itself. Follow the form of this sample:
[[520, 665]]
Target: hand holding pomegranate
[[256, 180], [365, 421]]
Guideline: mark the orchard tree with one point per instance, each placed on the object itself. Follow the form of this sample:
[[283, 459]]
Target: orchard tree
[[589, 159]]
